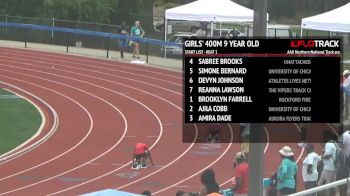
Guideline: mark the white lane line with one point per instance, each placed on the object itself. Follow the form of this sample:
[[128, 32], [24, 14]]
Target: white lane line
[[125, 130], [72, 56], [108, 164], [128, 162], [303, 148], [333, 129], [41, 127], [14, 60], [86, 59], [268, 140], [81, 141], [107, 69], [53, 129], [159, 121], [200, 171], [6, 155]]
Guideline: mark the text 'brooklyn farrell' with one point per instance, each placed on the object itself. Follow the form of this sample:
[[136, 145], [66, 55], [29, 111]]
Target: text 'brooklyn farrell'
[[262, 80]]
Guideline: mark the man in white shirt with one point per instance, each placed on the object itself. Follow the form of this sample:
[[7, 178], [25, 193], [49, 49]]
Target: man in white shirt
[[346, 86], [346, 82], [330, 150], [345, 142], [309, 171]]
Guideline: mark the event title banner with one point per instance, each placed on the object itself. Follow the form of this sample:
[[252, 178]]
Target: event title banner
[[262, 80]]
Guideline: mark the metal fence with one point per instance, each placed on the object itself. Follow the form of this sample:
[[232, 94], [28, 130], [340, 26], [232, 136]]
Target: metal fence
[[74, 34], [323, 187]]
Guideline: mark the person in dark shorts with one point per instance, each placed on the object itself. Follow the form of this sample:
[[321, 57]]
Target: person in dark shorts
[[214, 132], [141, 154], [343, 162], [123, 43]]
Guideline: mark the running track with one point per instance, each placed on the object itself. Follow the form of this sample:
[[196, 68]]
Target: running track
[[103, 108]]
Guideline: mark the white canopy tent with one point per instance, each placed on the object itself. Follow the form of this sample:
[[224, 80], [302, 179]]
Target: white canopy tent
[[211, 11], [337, 20]]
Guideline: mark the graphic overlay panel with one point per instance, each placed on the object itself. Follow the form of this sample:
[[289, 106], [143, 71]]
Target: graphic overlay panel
[[261, 81]]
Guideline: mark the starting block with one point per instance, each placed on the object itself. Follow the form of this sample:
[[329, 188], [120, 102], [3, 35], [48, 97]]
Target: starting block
[[143, 165], [135, 166]]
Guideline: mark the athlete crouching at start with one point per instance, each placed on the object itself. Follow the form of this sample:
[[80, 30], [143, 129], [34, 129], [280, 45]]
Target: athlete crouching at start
[[141, 154]]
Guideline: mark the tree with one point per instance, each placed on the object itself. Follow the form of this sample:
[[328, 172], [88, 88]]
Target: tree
[[81, 10]]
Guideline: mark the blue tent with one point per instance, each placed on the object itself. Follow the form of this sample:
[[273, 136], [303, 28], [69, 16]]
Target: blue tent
[[110, 192]]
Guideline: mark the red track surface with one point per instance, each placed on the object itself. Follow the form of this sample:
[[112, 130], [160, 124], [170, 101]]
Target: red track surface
[[104, 108]]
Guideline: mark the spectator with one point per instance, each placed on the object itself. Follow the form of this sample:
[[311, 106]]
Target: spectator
[[241, 175], [303, 128], [344, 140], [141, 153], [147, 193], [346, 75], [328, 173], [343, 162], [211, 187], [123, 43], [346, 86], [137, 32], [201, 33], [309, 170], [286, 172]]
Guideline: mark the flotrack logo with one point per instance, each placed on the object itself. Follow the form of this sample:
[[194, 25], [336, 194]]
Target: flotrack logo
[[314, 43]]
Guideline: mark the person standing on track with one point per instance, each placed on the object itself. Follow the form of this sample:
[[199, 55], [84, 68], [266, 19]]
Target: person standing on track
[[329, 171], [343, 162], [286, 172], [141, 154], [241, 179], [137, 32], [309, 171], [123, 43]]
